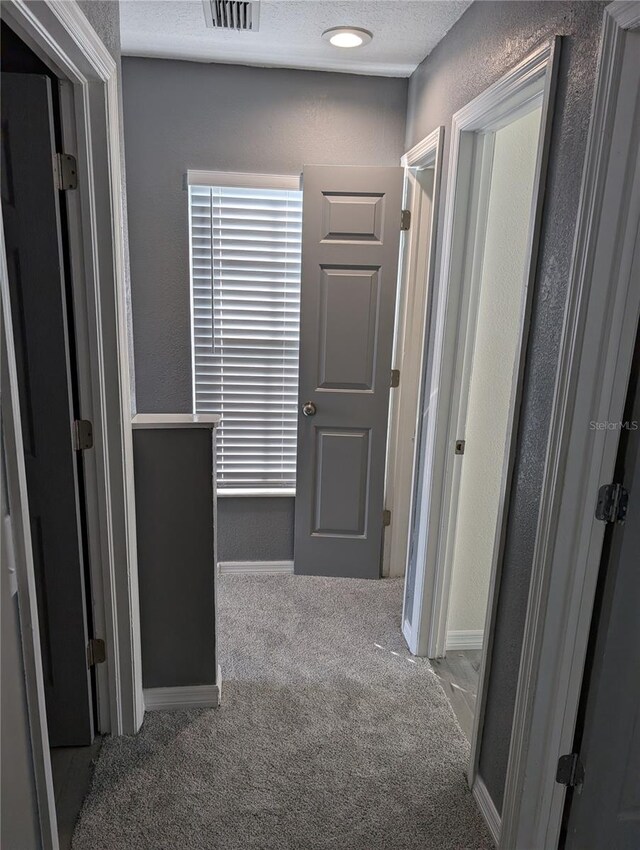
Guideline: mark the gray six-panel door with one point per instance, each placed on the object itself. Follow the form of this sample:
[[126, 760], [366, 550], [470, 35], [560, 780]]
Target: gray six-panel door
[[350, 241], [31, 213]]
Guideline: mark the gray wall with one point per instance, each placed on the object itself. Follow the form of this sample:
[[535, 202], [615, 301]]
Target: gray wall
[[255, 529], [488, 39], [181, 115], [174, 512]]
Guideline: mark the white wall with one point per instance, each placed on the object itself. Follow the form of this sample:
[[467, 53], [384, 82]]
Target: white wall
[[499, 312]]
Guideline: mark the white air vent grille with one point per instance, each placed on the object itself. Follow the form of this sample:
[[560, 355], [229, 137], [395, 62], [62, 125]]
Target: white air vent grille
[[232, 14]]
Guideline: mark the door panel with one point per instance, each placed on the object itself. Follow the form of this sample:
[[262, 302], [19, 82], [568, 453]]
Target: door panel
[[606, 812], [348, 321], [38, 305], [340, 500], [350, 242]]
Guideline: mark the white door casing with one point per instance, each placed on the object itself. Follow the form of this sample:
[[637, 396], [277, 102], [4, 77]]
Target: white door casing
[[423, 169], [603, 306], [61, 36]]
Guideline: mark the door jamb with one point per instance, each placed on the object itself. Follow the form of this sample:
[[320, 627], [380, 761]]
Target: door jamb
[[416, 274], [532, 79], [61, 35], [603, 306]]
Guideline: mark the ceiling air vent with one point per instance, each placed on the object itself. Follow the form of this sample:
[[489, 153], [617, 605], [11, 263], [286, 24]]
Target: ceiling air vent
[[232, 14]]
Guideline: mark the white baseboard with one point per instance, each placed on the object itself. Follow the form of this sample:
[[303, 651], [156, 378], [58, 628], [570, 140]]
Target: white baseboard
[[470, 639], [487, 808], [189, 696], [255, 567]]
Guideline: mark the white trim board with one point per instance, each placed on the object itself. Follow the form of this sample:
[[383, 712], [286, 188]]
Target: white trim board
[[422, 178], [242, 180], [255, 568], [175, 420], [465, 639], [189, 696], [487, 809]]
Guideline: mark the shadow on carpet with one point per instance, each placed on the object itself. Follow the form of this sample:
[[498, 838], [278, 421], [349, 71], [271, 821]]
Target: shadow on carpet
[[330, 735]]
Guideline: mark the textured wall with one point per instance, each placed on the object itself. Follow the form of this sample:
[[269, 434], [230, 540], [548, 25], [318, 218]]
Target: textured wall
[[489, 39], [175, 555], [255, 529], [104, 17], [181, 115]]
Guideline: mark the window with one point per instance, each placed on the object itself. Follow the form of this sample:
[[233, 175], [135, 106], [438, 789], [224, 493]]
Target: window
[[245, 242]]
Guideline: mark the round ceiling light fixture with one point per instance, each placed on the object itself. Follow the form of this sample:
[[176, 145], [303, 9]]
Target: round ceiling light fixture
[[347, 36]]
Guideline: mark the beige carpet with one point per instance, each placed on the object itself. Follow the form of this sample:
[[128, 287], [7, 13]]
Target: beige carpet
[[329, 736]]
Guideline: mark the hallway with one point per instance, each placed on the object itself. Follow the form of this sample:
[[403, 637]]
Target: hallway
[[330, 735]]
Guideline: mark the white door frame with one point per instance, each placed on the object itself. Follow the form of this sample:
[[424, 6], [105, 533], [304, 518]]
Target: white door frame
[[417, 269], [59, 33], [603, 307], [530, 83]]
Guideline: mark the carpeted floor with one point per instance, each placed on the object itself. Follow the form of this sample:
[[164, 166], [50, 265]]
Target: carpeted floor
[[329, 736]]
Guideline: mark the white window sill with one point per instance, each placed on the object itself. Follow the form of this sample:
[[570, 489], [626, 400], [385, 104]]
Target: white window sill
[[254, 492]]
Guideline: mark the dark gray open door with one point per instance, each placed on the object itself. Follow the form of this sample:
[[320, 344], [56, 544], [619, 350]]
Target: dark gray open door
[[605, 813], [350, 240], [31, 213]]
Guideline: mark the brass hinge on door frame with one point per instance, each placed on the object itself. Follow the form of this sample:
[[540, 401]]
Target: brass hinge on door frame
[[386, 518], [96, 652], [405, 220], [395, 378]]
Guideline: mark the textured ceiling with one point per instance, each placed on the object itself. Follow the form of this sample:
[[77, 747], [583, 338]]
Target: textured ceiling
[[404, 32]]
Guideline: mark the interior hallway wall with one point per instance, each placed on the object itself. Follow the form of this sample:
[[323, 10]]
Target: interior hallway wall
[[181, 115], [490, 38], [494, 354]]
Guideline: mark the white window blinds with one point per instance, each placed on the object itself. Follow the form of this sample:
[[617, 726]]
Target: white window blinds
[[245, 276]]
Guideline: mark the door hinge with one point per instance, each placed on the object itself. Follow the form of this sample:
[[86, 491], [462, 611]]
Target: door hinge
[[82, 435], [395, 378], [460, 444], [386, 518], [405, 220], [612, 503], [570, 771], [66, 170], [96, 652]]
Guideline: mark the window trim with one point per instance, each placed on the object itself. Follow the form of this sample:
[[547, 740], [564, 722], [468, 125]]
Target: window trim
[[239, 180], [244, 180], [256, 492]]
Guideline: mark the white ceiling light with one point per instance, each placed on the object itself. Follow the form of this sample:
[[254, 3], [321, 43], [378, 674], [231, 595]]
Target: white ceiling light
[[347, 36]]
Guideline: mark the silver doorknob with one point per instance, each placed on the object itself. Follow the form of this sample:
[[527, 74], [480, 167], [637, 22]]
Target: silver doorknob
[[309, 408]]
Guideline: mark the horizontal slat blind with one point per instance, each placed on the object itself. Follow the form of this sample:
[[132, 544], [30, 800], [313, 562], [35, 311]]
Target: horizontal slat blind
[[245, 276]]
